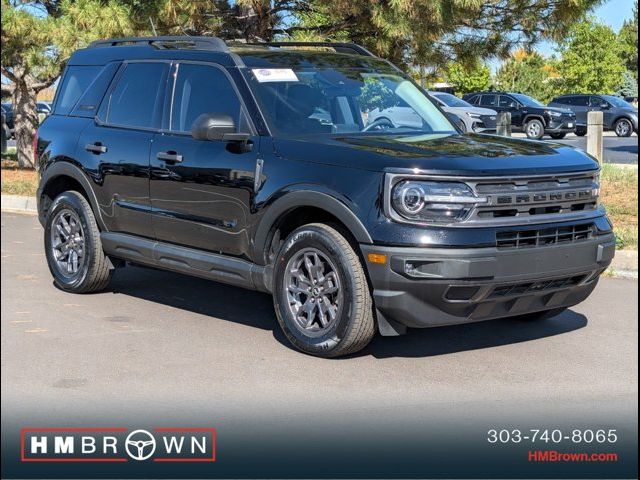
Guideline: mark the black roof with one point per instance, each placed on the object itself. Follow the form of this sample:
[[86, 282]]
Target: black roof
[[228, 54]]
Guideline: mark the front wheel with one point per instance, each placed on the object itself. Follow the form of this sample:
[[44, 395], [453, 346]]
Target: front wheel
[[623, 127], [73, 247], [321, 295], [581, 131], [534, 129]]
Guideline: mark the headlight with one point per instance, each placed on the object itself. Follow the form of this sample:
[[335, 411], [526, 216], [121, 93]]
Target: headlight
[[553, 114], [434, 202], [473, 115]]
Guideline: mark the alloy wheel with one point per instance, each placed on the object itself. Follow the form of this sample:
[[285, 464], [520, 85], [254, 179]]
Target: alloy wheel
[[623, 128], [314, 291], [67, 243]]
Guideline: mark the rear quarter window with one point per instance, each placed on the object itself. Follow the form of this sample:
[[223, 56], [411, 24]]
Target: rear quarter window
[[75, 82]]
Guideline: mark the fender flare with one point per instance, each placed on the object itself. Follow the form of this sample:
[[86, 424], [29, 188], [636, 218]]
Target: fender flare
[[306, 198], [536, 117], [67, 169]]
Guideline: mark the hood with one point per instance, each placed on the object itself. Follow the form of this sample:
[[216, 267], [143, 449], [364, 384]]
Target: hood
[[566, 111], [442, 154]]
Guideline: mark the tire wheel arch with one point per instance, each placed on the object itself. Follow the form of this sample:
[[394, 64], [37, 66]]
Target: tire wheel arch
[[528, 118], [64, 176], [293, 203]]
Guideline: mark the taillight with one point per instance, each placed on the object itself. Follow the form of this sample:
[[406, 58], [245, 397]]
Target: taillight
[[34, 145]]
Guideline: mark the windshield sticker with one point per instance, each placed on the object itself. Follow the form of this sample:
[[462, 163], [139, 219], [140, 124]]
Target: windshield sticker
[[264, 75]]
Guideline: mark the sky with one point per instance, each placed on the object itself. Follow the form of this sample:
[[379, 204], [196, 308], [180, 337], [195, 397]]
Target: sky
[[612, 13]]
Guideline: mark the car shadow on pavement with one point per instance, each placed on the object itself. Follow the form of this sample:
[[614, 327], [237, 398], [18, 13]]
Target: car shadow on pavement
[[255, 309], [430, 342], [197, 295]]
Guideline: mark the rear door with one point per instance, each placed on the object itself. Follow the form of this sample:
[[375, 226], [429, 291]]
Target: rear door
[[116, 146], [201, 190], [580, 105]]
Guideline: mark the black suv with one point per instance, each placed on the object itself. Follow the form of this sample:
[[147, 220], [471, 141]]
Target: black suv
[[619, 115], [527, 114], [258, 166]]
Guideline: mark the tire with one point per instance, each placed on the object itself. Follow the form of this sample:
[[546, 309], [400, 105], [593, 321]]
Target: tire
[[581, 131], [534, 129], [326, 325], [538, 316], [623, 127], [557, 136], [83, 267]]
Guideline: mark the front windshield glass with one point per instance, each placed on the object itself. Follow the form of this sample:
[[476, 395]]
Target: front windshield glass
[[344, 101], [451, 100], [527, 101], [617, 101]]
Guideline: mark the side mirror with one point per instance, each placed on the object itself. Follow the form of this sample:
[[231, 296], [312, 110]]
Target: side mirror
[[217, 126], [605, 106], [513, 105]]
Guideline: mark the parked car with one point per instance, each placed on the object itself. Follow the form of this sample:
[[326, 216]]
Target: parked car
[[353, 226], [7, 111], [475, 119], [619, 115], [528, 114], [403, 115]]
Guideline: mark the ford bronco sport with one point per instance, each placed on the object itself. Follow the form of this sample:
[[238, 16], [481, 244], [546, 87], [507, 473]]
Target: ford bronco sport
[[257, 166]]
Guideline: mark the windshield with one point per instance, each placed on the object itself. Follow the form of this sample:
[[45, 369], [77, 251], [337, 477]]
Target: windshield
[[451, 100], [617, 101], [344, 101], [526, 100]]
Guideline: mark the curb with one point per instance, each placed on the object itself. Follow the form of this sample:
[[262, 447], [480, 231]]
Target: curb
[[18, 203], [624, 265]]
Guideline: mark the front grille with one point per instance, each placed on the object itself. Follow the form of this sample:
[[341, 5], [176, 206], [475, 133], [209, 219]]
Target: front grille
[[536, 287], [490, 121], [545, 236], [553, 196]]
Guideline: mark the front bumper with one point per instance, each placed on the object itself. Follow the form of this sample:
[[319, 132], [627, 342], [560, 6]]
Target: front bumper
[[428, 287], [564, 125]]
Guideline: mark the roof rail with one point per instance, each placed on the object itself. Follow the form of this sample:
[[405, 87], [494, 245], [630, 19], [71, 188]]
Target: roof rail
[[199, 43], [338, 47]]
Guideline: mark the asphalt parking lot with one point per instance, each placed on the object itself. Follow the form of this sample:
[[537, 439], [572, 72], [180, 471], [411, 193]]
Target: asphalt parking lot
[[158, 339], [616, 150]]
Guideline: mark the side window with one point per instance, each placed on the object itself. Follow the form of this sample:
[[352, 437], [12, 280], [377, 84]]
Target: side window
[[74, 84], [564, 100], [581, 101], [506, 101], [474, 100], [201, 89], [597, 102], [488, 101], [134, 100]]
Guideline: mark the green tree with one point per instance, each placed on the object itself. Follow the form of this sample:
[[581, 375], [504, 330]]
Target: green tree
[[468, 78], [36, 41], [591, 59], [417, 32], [629, 42], [629, 87], [529, 73]]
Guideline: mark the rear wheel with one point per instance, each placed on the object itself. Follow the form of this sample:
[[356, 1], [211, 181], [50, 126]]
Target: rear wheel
[[321, 295], [557, 136], [581, 131], [534, 129], [623, 127], [73, 247]]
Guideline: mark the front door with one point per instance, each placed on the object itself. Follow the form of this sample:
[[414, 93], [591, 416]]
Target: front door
[[509, 104], [202, 191]]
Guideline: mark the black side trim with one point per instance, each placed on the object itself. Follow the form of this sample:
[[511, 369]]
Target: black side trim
[[211, 266]]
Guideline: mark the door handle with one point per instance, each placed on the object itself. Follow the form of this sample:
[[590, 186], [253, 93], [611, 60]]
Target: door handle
[[169, 156], [96, 148]]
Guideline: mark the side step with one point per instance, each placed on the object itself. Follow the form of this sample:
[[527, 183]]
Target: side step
[[211, 266]]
